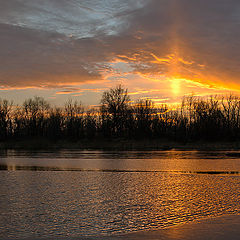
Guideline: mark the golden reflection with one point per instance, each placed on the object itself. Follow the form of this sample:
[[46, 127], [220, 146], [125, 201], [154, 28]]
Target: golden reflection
[[11, 167]]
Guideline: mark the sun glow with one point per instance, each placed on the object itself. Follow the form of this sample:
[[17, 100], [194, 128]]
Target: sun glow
[[176, 86]]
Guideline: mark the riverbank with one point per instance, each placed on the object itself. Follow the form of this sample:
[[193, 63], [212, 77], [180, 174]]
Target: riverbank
[[117, 144]]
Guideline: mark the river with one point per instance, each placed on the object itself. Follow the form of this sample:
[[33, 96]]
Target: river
[[70, 194]]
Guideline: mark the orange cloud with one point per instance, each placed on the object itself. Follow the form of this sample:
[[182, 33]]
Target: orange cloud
[[171, 46], [161, 60]]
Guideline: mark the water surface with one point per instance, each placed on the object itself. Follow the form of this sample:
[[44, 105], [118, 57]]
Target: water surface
[[92, 193]]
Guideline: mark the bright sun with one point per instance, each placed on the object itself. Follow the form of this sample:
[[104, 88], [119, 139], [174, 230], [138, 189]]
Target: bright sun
[[176, 86]]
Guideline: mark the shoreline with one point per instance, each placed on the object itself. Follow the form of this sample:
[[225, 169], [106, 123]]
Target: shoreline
[[117, 145]]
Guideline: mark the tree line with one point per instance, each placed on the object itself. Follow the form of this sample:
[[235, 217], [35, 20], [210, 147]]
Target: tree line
[[209, 119]]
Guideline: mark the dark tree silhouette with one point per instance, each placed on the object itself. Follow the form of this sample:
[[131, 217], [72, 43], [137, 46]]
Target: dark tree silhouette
[[114, 110], [144, 115], [209, 119], [35, 112], [74, 122], [5, 120]]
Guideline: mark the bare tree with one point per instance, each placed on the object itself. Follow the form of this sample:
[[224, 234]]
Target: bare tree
[[5, 119], [36, 110], [74, 122], [115, 107], [144, 114]]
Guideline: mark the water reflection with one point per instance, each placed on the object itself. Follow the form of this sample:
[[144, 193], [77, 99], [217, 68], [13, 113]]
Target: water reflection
[[148, 161], [12, 167], [99, 203], [48, 204]]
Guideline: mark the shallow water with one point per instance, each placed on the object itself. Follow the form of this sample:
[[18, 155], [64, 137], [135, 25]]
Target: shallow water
[[92, 193]]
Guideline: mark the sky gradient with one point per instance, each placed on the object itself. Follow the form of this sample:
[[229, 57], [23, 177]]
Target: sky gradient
[[159, 49]]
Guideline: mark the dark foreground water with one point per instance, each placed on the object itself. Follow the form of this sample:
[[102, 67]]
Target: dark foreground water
[[72, 194]]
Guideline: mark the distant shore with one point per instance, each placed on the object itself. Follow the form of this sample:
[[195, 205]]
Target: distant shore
[[117, 144]]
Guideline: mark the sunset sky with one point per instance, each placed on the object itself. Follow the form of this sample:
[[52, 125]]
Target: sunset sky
[[160, 49]]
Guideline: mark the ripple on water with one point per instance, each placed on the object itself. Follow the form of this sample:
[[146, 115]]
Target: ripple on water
[[45, 204]]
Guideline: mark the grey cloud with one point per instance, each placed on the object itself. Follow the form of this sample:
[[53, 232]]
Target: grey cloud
[[211, 36], [78, 18], [36, 49], [202, 31], [33, 58]]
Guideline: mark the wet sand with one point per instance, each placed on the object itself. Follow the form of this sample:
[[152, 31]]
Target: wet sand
[[220, 228]]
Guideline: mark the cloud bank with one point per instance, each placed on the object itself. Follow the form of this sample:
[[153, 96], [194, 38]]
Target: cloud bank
[[67, 42]]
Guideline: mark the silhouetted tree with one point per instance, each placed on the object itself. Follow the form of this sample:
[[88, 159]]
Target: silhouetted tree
[[74, 122], [197, 118], [90, 124], [35, 112], [5, 120], [114, 110], [144, 113], [55, 124]]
